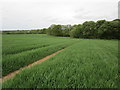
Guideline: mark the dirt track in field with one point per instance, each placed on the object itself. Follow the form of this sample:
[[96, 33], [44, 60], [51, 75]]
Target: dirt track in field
[[10, 75]]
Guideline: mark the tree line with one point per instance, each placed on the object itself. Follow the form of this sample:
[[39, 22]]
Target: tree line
[[101, 29], [36, 31]]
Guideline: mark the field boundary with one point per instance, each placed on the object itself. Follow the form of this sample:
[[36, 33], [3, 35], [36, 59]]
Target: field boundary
[[12, 74]]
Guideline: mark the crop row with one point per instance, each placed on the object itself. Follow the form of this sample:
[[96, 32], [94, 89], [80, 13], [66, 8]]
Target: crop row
[[13, 44], [21, 56]]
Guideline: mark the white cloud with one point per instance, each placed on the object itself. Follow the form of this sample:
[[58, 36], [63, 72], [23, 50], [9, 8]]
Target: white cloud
[[98, 10], [29, 14]]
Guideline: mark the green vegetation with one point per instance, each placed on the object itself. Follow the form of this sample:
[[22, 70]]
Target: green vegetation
[[21, 50], [85, 64], [101, 29], [98, 30], [36, 31]]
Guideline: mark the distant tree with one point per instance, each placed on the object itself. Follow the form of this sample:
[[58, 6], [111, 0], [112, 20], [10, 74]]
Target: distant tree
[[42, 31], [103, 30], [66, 29], [55, 30], [76, 31], [114, 31], [88, 29], [99, 23]]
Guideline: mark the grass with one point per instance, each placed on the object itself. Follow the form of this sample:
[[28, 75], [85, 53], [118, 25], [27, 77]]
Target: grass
[[21, 50], [13, 44], [85, 64]]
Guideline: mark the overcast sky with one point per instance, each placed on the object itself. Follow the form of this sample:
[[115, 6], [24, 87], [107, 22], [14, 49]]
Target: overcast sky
[[34, 14]]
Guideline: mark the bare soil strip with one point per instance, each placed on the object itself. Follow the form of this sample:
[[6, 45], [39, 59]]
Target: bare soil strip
[[17, 71]]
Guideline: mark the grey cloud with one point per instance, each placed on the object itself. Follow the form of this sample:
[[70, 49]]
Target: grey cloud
[[119, 9], [28, 14]]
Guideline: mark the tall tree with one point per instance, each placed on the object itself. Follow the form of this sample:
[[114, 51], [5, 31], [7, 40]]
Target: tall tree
[[88, 29]]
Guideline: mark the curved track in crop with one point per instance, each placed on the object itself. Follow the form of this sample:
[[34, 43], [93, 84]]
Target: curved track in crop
[[17, 71]]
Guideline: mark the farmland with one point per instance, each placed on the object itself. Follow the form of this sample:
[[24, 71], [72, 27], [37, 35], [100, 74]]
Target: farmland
[[84, 63], [21, 50]]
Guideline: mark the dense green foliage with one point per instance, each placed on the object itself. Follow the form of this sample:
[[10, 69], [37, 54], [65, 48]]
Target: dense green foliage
[[21, 50], [37, 31], [59, 30], [55, 30], [101, 29], [85, 64]]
